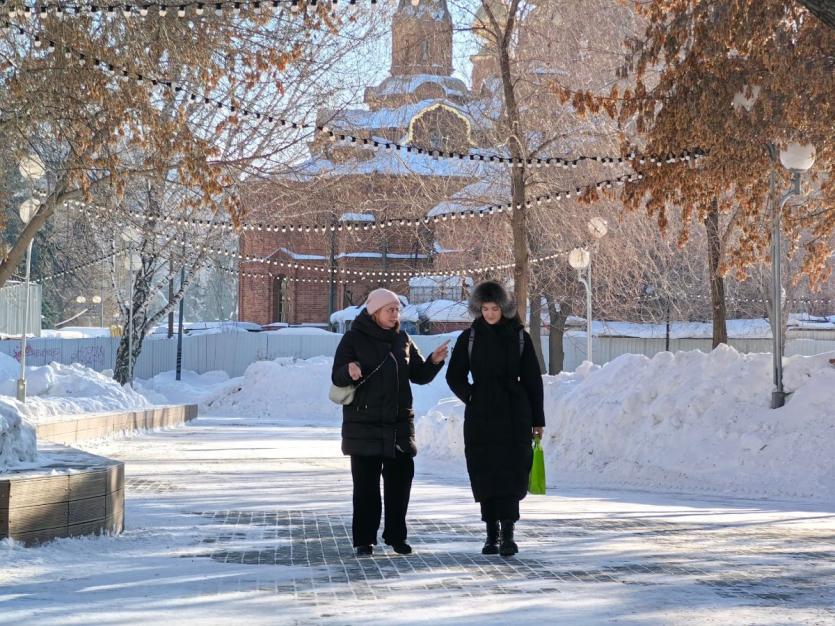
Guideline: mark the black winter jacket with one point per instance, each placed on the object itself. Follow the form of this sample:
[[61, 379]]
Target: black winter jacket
[[381, 415], [504, 402]]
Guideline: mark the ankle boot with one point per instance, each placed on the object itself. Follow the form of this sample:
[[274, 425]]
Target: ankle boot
[[491, 545], [507, 547]]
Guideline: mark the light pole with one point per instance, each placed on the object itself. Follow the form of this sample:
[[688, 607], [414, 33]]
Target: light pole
[[797, 159], [580, 260], [32, 168], [95, 300]]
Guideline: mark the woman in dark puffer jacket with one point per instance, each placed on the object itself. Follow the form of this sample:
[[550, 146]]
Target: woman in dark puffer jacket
[[378, 430], [504, 409]]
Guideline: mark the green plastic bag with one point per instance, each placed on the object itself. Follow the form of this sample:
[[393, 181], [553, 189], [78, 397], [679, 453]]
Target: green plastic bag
[[536, 480]]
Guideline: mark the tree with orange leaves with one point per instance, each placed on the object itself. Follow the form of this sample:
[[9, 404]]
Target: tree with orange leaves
[[740, 79]]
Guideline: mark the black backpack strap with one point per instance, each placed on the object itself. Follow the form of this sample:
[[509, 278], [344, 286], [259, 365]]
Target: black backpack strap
[[472, 341]]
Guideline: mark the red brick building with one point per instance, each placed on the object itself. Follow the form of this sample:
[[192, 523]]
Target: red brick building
[[346, 183]]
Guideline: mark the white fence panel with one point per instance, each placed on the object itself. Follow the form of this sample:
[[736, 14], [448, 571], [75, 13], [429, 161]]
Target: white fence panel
[[13, 308], [234, 352], [301, 346]]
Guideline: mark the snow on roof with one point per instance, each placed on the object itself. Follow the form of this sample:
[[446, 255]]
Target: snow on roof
[[397, 85], [439, 249], [391, 163], [356, 217], [489, 190], [439, 281], [384, 118], [379, 255], [303, 257], [445, 311]]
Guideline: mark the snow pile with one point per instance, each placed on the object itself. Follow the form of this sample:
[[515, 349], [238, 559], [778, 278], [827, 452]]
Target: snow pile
[[445, 311], [17, 438], [286, 389], [192, 388], [690, 421], [75, 332], [57, 390]]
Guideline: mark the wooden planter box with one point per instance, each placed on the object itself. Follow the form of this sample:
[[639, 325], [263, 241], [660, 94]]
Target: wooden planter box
[[77, 494], [100, 425]]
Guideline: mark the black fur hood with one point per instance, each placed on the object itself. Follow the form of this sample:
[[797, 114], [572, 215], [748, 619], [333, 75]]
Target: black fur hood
[[491, 291]]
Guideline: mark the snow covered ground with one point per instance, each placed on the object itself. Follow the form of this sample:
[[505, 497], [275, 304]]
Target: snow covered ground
[[243, 516], [233, 520], [689, 421]]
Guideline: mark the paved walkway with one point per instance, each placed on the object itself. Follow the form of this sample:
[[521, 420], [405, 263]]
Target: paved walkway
[[230, 521]]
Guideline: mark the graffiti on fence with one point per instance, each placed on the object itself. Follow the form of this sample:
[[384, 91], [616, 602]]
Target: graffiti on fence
[[91, 356], [46, 354]]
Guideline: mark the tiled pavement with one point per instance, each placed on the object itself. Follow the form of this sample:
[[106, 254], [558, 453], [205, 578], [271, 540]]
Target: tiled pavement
[[258, 516], [756, 566]]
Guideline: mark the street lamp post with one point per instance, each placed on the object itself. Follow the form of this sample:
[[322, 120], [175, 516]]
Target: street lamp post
[[797, 159], [32, 168], [95, 300], [580, 260]]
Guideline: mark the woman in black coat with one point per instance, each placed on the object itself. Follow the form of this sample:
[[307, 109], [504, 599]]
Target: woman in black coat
[[378, 430], [504, 409]]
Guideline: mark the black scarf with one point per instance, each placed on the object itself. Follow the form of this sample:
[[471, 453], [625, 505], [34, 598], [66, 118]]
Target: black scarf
[[365, 324], [500, 346]]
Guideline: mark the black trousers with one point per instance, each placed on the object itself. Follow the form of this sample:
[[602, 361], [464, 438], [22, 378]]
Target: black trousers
[[501, 508], [397, 476]]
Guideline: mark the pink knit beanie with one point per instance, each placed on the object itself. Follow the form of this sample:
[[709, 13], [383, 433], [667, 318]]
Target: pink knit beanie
[[379, 298]]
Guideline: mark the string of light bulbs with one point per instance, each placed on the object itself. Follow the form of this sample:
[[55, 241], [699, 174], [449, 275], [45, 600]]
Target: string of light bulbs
[[737, 299], [400, 274], [348, 225], [77, 268], [162, 9], [290, 279], [123, 73]]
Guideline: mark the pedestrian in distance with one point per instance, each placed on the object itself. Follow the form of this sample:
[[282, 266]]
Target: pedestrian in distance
[[504, 410], [378, 430]]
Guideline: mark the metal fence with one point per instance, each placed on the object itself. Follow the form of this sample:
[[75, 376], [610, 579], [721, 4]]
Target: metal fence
[[234, 352], [12, 309]]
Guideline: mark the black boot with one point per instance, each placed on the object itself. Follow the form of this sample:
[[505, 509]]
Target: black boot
[[507, 547], [491, 545]]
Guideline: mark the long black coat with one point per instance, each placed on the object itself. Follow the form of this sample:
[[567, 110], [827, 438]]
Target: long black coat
[[504, 402], [381, 415]]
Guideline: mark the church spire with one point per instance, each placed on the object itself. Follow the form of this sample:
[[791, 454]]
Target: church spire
[[421, 39]]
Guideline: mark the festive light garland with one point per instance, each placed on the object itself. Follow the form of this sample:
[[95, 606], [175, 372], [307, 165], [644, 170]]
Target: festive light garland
[[75, 269], [179, 9], [291, 279], [123, 73], [403, 274], [735, 299], [554, 196]]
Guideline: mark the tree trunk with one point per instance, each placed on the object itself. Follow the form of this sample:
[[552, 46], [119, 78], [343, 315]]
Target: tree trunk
[[519, 227], [717, 282], [556, 353], [18, 251], [515, 134], [536, 329]]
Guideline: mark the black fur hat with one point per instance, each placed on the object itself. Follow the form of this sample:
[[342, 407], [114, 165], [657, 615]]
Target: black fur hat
[[491, 291]]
